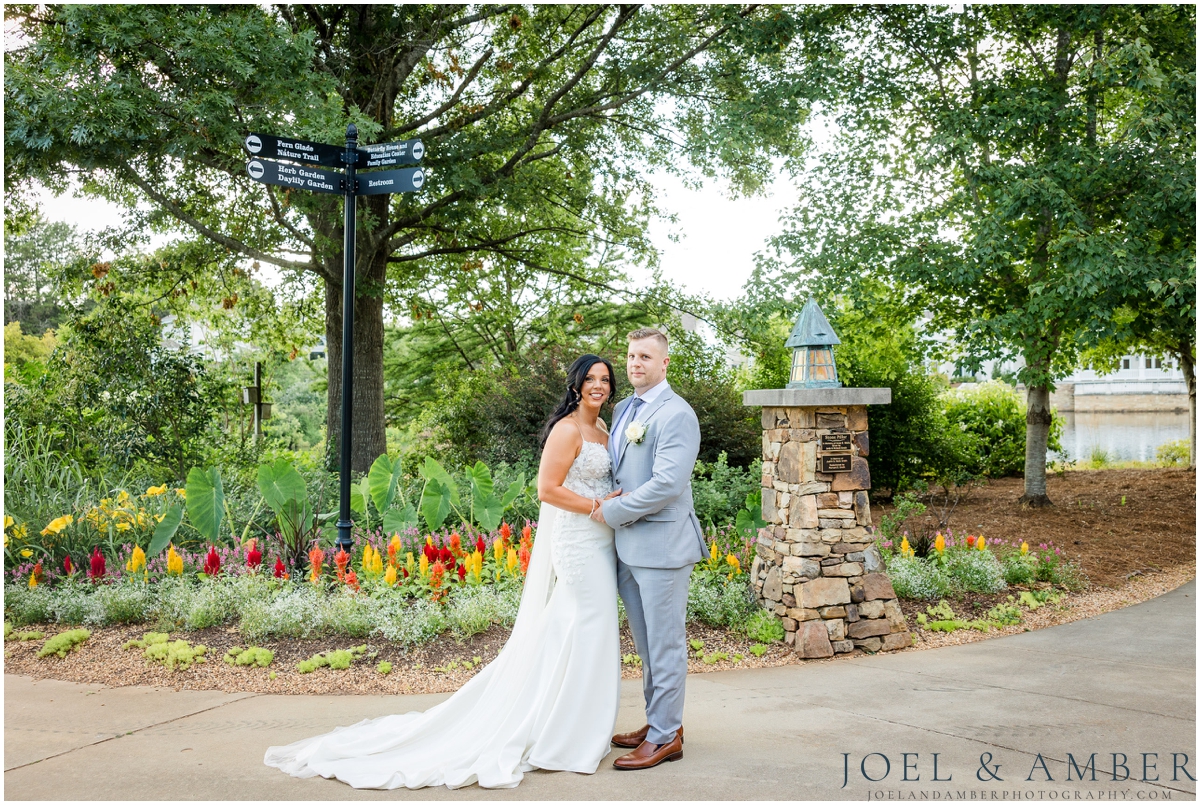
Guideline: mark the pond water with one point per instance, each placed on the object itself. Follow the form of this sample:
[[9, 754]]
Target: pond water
[[1123, 436]]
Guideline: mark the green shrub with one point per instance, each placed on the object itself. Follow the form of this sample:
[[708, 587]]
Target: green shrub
[[254, 655], [764, 627], [916, 579], [1019, 569], [720, 602], [23, 605], [1175, 453], [177, 655], [719, 490], [64, 642], [992, 417], [475, 609], [974, 571]]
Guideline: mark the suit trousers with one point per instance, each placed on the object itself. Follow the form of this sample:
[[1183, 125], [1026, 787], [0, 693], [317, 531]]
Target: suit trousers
[[656, 604]]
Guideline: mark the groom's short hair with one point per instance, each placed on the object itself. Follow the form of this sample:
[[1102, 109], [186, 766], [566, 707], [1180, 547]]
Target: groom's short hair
[[650, 332]]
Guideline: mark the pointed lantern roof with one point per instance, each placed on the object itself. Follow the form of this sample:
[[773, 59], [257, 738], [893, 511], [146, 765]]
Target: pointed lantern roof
[[812, 328]]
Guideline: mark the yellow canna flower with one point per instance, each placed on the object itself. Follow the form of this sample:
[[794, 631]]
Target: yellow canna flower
[[158, 518], [939, 544], [156, 490], [979, 543], [57, 524], [424, 565], [122, 496], [8, 521], [137, 561], [174, 562], [181, 492], [122, 526], [1024, 548], [26, 553], [389, 578], [20, 531]]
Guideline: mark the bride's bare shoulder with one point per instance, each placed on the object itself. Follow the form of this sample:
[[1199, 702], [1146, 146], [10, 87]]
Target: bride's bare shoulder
[[565, 438]]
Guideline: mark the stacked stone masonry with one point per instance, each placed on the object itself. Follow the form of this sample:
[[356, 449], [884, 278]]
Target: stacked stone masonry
[[817, 566]]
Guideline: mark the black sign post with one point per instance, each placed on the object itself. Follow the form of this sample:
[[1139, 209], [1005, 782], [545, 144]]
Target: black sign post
[[265, 148]]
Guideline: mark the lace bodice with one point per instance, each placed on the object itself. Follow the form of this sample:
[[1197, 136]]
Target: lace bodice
[[591, 471]]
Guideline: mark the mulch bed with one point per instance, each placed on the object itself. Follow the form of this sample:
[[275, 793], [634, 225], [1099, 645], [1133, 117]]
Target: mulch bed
[[1154, 529]]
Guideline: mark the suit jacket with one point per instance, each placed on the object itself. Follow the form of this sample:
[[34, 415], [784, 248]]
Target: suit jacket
[[655, 521]]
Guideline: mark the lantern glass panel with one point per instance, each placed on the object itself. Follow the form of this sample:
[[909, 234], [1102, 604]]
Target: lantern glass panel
[[820, 364]]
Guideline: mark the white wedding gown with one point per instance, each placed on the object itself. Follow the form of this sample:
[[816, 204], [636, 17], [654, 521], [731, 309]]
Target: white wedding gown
[[548, 701]]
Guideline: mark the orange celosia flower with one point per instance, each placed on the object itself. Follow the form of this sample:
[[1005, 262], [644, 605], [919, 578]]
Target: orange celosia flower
[[316, 559], [341, 559], [436, 574], [393, 548], [352, 581], [527, 536], [455, 544], [505, 533], [523, 559]]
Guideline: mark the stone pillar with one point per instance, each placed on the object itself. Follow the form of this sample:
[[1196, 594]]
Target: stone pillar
[[816, 564]]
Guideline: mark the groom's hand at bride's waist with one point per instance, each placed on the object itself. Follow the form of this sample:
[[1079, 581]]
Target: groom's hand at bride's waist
[[597, 513]]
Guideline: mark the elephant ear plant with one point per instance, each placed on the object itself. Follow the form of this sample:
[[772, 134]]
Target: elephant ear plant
[[286, 494]]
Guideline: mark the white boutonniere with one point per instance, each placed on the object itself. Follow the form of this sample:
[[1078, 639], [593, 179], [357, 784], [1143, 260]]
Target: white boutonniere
[[635, 432]]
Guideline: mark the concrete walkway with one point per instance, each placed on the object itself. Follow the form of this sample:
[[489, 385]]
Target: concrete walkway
[[1123, 683]]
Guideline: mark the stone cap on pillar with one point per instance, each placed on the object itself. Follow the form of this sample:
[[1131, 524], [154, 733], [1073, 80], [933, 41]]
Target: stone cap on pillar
[[794, 398]]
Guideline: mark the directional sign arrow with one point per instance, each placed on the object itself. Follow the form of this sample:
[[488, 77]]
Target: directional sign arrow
[[272, 147], [321, 181], [405, 180], [403, 152]]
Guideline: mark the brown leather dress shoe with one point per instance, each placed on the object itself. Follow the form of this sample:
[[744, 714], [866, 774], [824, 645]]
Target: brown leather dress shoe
[[632, 740], [648, 755]]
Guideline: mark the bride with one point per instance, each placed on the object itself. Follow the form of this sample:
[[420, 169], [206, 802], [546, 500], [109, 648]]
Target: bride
[[549, 700]]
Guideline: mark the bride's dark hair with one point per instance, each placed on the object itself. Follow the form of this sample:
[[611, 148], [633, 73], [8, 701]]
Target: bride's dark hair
[[570, 401]]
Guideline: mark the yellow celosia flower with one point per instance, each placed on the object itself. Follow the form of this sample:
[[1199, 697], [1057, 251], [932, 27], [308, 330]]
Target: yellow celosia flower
[[32, 581], [376, 562], [137, 561], [498, 549], [429, 540], [154, 491], [979, 543], [57, 524], [511, 564], [734, 563], [939, 544], [366, 558], [712, 552], [424, 564], [389, 578], [905, 549], [1024, 548], [477, 563], [174, 562], [409, 564]]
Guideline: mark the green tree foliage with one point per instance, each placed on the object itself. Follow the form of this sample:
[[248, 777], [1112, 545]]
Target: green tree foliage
[[35, 253], [1021, 169], [539, 122], [115, 395], [698, 373]]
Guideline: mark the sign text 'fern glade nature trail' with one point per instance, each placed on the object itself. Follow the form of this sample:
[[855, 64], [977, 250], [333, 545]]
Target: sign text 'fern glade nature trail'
[[264, 150]]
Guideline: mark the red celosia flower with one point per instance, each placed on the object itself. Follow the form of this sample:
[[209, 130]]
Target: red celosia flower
[[68, 568], [352, 581], [280, 570], [341, 558], [431, 553], [37, 571], [462, 572], [404, 570], [212, 562], [480, 545], [96, 571], [970, 542], [445, 556], [253, 556]]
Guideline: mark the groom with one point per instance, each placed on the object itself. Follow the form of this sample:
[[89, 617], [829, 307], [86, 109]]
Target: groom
[[656, 438]]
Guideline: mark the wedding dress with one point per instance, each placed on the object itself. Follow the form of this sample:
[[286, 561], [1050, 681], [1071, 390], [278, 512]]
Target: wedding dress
[[548, 701]]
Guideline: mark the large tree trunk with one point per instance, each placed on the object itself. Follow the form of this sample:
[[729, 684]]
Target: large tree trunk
[[1189, 374], [367, 415], [1037, 435]]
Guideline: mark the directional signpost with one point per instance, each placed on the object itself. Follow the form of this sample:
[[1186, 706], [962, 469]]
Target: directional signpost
[[264, 149]]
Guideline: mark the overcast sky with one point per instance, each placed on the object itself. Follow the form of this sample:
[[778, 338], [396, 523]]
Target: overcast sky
[[714, 252]]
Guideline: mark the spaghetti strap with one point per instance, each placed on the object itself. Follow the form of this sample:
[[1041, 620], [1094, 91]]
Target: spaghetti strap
[[586, 439]]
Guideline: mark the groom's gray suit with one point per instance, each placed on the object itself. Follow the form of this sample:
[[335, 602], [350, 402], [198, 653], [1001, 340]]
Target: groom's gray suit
[[658, 539]]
